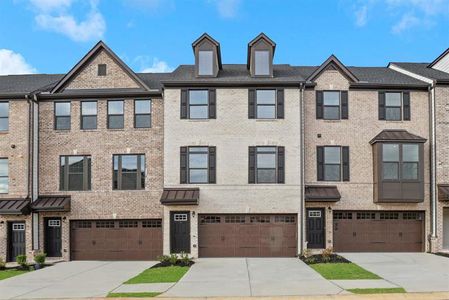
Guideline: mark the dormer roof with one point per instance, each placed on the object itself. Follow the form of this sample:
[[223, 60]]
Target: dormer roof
[[333, 63], [261, 36], [206, 36]]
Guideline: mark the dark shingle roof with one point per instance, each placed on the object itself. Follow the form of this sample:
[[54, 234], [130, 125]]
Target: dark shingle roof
[[397, 135], [26, 83], [423, 70]]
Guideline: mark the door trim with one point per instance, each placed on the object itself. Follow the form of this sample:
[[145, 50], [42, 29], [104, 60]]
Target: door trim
[[180, 216], [9, 229], [322, 215], [54, 224]]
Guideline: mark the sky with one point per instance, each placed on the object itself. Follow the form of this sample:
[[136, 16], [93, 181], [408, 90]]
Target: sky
[[51, 36]]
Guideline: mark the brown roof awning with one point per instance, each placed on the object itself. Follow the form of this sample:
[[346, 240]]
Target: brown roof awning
[[51, 203], [443, 192], [322, 193], [14, 207], [180, 196], [397, 135]]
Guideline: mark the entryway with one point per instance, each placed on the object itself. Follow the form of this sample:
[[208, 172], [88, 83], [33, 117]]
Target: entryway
[[53, 237], [180, 232], [16, 240], [316, 228]]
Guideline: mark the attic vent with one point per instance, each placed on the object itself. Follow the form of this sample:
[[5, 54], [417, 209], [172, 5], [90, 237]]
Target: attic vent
[[102, 70]]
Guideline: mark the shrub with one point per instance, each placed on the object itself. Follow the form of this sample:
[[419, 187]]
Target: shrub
[[164, 259], [173, 259], [306, 253], [2, 264], [327, 254], [40, 257], [22, 261], [184, 259], [310, 260]]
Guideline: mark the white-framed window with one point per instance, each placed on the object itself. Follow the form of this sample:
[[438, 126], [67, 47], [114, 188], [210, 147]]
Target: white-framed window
[[18, 227], [54, 223], [180, 217], [314, 213]]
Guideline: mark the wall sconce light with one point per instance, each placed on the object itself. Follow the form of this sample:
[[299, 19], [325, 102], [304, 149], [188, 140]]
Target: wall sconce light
[[2, 223], [64, 219], [13, 146], [193, 213], [329, 208]]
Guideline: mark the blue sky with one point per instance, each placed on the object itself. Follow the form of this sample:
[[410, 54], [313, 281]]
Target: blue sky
[[50, 36]]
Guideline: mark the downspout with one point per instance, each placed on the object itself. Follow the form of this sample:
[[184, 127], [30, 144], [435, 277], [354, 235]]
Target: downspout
[[433, 159], [302, 167], [29, 168]]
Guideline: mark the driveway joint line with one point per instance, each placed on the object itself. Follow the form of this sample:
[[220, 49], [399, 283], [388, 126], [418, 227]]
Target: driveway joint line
[[249, 277]]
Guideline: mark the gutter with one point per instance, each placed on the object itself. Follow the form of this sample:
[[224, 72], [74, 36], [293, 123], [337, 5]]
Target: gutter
[[302, 169]]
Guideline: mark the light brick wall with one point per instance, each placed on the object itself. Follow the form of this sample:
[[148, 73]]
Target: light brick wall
[[356, 132], [102, 202], [232, 133], [16, 137]]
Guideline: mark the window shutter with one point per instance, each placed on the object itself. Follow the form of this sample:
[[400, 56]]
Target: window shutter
[[212, 104], [212, 163], [345, 159], [344, 105], [406, 105], [183, 166], [281, 165], [251, 104], [184, 100], [280, 104], [320, 163], [252, 165], [319, 104], [381, 105]]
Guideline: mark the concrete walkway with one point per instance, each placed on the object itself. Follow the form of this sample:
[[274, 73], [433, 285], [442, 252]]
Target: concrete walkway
[[76, 279], [415, 272], [239, 277]]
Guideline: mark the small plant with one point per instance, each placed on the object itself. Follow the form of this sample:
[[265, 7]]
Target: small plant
[[164, 259], [310, 260], [173, 259], [184, 259], [306, 253], [22, 261], [2, 264], [39, 258], [327, 254]]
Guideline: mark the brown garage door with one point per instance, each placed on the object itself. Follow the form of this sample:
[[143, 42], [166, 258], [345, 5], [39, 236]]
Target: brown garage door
[[247, 235], [385, 231], [116, 240]]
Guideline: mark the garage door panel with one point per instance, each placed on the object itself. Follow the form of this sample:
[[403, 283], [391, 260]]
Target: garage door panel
[[378, 231]]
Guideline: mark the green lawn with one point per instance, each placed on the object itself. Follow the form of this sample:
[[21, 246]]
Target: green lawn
[[10, 273], [132, 295], [377, 291], [335, 271], [157, 275]]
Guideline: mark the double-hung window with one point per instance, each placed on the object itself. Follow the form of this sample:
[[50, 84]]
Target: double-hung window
[[331, 105], [198, 165], [62, 115], [116, 119], [4, 176], [198, 104], [89, 115], [262, 62], [400, 161], [333, 163], [205, 63], [142, 113], [128, 172], [266, 164], [75, 173], [4, 116], [266, 104], [394, 106]]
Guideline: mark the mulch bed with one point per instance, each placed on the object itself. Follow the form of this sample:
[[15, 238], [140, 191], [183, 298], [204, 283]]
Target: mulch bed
[[319, 259], [442, 254], [167, 264]]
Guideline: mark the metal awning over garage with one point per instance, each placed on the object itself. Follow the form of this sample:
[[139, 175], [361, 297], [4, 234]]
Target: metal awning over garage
[[15, 207], [180, 196], [322, 193], [51, 203]]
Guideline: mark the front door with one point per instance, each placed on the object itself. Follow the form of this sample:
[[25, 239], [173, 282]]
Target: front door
[[53, 237], [446, 228], [315, 228], [180, 232], [16, 240]]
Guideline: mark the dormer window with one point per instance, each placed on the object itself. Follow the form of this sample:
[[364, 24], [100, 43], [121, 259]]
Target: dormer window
[[205, 63], [101, 70], [262, 62]]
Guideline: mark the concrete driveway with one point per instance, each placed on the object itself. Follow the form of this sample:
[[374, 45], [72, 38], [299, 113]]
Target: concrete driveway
[[240, 277], [415, 272], [75, 279]]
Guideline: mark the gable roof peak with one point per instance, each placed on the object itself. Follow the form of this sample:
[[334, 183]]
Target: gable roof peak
[[205, 36], [264, 37], [332, 59]]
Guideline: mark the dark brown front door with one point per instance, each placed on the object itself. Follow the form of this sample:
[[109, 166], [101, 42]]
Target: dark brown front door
[[180, 232], [378, 231], [315, 228], [53, 237], [16, 240], [116, 239], [247, 235]]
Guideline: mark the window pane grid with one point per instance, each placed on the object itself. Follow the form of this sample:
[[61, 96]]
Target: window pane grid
[[62, 115], [116, 118], [198, 164], [89, 115], [266, 164], [75, 173], [198, 104], [142, 113], [331, 105], [4, 176], [4, 116], [393, 106], [128, 172], [332, 164], [400, 162], [266, 104]]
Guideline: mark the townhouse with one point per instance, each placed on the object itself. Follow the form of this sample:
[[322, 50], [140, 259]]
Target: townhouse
[[223, 160]]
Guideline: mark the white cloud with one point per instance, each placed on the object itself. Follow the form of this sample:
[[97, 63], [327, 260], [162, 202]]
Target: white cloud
[[406, 22], [54, 15], [158, 66], [227, 8], [361, 16], [13, 63]]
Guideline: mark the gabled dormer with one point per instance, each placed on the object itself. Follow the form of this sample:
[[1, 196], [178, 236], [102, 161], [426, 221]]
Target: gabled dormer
[[333, 64], [441, 63], [260, 56], [207, 56]]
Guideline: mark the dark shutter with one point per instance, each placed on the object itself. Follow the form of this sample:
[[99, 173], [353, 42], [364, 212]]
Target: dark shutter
[[406, 105], [381, 105], [252, 165], [344, 105], [212, 104], [280, 104], [251, 104], [345, 159], [183, 165], [184, 100], [212, 163], [281, 165], [320, 163], [319, 104]]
